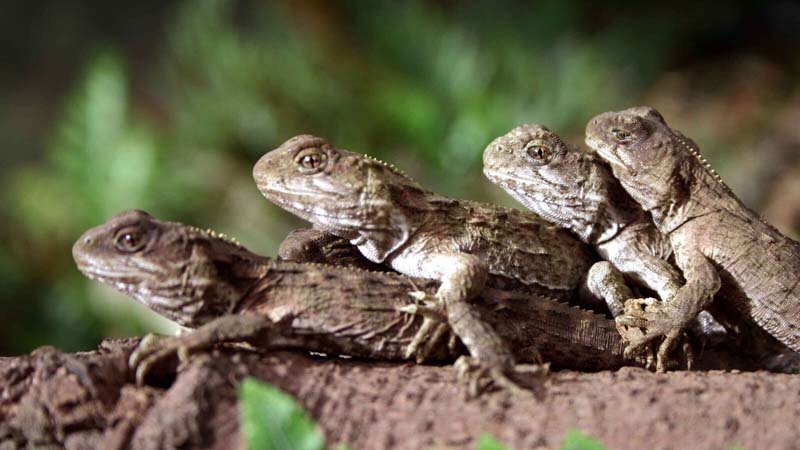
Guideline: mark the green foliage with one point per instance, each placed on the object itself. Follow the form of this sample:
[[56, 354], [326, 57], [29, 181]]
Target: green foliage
[[272, 420], [98, 145], [441, 86], [99, 163], [575, 440], [487, 442]]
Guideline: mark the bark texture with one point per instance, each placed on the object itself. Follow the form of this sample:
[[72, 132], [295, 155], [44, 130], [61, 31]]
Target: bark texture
[[50, 399]]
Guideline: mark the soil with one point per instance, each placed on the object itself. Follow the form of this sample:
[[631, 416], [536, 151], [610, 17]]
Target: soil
[[51, 399]]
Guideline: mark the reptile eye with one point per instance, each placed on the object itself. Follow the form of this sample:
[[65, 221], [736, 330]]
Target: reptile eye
[[538, 153], [621, 135], [129, 240], [311, 160]]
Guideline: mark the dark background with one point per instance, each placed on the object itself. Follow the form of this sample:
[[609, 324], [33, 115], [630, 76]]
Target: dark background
[[165, 106]]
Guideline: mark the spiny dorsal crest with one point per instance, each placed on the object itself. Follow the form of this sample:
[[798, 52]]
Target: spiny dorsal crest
[[208, 232], [330, 266], [390, 167], [692, 149], [696, 152]]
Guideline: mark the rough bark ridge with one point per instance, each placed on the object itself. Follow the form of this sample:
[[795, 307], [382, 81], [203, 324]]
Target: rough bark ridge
[[51, 399]]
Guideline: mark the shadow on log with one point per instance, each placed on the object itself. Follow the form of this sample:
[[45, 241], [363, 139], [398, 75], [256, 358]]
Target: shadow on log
[[50, 399]]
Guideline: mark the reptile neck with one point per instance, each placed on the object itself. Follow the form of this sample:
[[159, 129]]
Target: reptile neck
[[699, 194]]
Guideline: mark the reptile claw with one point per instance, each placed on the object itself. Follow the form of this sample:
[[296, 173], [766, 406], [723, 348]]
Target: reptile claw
[[659, 322], [413, 350], [628, 321], [409, 309], [431, 311], [145, 346], [151, 351], [434, 327], [141, 373], [480, 378], [418, 295]]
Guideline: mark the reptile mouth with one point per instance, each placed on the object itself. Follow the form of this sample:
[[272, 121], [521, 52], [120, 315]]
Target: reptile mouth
[[275, 189], [502, 176], [609, 154], [101, 273], [313, 212], [541, 197]]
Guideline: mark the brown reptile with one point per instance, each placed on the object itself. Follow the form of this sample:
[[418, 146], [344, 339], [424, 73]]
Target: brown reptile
[[226, 293], [720, 245], [394, 221], [576, 190]]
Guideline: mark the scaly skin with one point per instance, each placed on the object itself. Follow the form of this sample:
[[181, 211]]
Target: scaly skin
[[577, 191], [201, 280], [718, 242], [395, 221], [309, 245]]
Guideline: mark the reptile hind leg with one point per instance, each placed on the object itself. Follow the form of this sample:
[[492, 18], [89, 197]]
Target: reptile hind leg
[[492, 362], [463, 277]]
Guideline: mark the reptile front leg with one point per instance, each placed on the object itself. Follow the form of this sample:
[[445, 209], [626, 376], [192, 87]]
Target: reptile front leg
[[605, 282], [153, 350], [669, 319], [463, 277], [317, 246]]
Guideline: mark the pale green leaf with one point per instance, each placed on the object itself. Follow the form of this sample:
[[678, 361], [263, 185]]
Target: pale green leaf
[[272, 420]]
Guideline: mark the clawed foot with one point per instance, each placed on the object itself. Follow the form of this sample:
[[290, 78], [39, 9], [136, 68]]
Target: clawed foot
[[154, 350], [432, 309], [660, 320], [517, 379], [433, 330]]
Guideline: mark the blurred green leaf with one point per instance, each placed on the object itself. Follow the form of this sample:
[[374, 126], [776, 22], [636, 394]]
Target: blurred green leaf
[[107, 162], [487, 442], [575, 440], [272, 420]]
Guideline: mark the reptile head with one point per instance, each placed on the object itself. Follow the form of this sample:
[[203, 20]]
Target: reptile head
[[348, 194], [177, 270], [533, 164], [642, 150], [556, 180]]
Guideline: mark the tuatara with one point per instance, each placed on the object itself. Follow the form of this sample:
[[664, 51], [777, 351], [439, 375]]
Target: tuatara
[[395, 221], [576, 190], [206, 282], [719, 244]]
